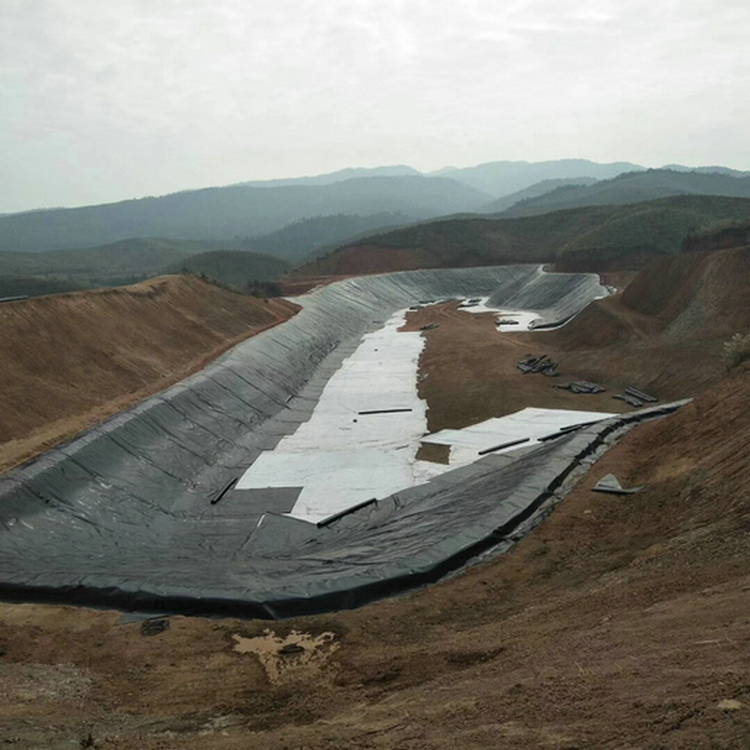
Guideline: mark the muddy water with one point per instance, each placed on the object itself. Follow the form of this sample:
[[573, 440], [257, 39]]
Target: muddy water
[[290, 656]]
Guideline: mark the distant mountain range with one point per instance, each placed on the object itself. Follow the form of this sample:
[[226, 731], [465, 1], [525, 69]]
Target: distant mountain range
[[237, 211], [499, 178], [400, 170], [295, 219], [634, 187]]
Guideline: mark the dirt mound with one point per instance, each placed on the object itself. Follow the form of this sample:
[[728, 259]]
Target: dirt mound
[[697, 293], [68, 361]]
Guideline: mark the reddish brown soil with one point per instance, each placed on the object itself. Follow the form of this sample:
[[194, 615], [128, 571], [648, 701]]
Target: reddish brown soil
[[70, 360], [472, 375], [699, 295], [621, 622]]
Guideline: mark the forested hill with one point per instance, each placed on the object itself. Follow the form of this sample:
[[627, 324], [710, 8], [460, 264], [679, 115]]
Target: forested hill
[[588, 238], [634, 187], [225, 213]]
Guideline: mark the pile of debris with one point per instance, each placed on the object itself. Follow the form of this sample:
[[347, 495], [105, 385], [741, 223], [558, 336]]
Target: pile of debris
[[582, 386], [427, 302], [611, 485], [429, 327], [473, 302], [636, 398], [541, 364]]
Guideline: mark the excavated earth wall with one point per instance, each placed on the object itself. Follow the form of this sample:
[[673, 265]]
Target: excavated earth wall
[[139, 512]]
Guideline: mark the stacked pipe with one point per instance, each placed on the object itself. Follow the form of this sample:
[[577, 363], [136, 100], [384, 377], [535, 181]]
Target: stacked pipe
[[628, 399], [635, 397], [540, 364], [640, 395], [582, 386]]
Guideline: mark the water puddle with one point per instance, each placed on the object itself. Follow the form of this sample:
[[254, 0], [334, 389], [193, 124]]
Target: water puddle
[[296, 653]]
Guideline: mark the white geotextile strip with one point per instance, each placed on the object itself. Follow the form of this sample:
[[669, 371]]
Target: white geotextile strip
[[530, 423], [524, 317], [340, 457]]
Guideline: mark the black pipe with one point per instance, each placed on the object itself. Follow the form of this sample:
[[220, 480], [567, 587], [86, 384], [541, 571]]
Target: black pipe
[[223, 491], [345, 512], [503, 445], [382, 411]]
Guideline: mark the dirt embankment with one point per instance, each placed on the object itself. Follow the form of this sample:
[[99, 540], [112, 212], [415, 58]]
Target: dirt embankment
[[68, 361], [697, 294]]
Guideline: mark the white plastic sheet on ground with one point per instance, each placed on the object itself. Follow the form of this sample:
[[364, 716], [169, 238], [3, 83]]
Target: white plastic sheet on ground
[[341, 457], [523, 317], [531, 423]]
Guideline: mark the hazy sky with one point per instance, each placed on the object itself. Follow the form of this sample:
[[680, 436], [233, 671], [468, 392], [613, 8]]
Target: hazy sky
[[108, 100]]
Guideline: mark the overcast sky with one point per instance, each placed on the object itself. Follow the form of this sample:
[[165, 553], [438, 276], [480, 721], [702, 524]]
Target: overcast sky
[[102, 101]]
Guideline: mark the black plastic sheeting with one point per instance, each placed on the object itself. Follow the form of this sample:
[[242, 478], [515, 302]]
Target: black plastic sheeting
[[140, 513], [556, 297]]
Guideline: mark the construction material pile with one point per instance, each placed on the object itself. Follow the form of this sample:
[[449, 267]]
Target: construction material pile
[[542, 364], [582, 386], [634, 397]]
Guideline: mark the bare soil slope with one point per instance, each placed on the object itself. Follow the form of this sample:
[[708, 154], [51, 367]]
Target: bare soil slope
[[67, 361], [697, 294]]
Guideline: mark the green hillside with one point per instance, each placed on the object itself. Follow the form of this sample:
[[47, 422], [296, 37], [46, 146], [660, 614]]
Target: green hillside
[[720, 235], [296, 241], [34, 287], [534, 191], [131, 256], [594, 237], [635, 187], [234, 267], [116, 264], [225, 213]]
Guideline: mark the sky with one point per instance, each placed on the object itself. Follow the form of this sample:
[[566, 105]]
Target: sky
[[106, 101]]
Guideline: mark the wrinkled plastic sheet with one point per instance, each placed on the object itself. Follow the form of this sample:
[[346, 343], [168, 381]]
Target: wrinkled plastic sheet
[[125, 517], [555, 297]]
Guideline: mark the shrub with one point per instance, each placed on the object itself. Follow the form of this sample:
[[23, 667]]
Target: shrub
[[736, 350], [263, 288]]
